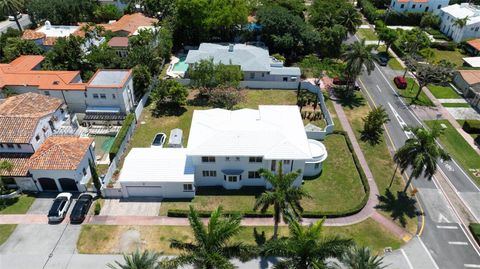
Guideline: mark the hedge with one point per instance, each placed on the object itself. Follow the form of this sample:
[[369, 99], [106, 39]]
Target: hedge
[[475, 229], [471, 126], [306, 214], [402, 19], [449, 45], [121, 135]]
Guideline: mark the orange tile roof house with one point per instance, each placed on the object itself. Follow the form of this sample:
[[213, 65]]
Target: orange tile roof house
[[109, 89], [468, 81], [129, 24], [473, 47]]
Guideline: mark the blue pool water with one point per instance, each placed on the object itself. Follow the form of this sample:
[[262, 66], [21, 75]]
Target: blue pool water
[[181, 66]]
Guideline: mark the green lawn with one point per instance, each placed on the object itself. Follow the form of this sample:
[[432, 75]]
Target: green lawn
[[411, 91], [367, 34], [443, 92], [378, 157], [105, 239], [455, 105], [475, 229], [18, 205], [455, 57], [5, 231], [459, 149]]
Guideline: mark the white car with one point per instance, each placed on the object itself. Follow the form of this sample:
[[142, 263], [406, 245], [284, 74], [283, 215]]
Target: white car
[[60, 206], [11, 18]]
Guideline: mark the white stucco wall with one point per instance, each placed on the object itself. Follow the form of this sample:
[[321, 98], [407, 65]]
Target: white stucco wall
[[431, 6], [165, 189], [456, 33], [122, 98]]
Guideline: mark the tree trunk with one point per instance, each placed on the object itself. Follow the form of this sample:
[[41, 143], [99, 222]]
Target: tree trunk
[[276, 217], [405, 73], [393, 177], [408, 183], [420, 87], [14, 14]]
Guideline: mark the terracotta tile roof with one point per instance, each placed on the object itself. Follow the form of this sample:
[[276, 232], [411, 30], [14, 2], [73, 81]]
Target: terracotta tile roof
[[17, 129], [475, 43], [19, 73], [29, 105], [130, 23], [60, 153], [19, 161], [32, 35], [118, 41], [470, 76]]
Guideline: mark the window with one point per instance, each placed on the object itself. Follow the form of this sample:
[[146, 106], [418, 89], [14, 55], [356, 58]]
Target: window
[[47, 93], [317, 165], [114, 96], [232, 178], [209, 173], [37, 137], [84, 171], [255, 159], [402, 5], [187, 187], [253, 174], [1, 146], [10, 146], [476, 29], [208, 159], [62, 110], [95, 96], [19, 146], [426, 9], [413, 6], [227, 159], [439, 6], [273, 166], [285, 78], [263, 75], [252, 75], [237, 159], [393, 5], [103, 96], [286, 162]]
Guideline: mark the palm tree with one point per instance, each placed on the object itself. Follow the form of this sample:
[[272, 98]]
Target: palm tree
[[421, 154], [373, 125], [4, 166], [360, 258], [212, 246], [137, 260], [306, 247], [12, 7], [356, 57], [283, 196], [460, 23], [350, 19]]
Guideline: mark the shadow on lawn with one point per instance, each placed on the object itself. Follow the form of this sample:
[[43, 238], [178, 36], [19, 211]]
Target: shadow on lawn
[[400, 207], [168, 110], [348, 98]]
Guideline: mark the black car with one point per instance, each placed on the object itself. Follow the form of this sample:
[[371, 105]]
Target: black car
[[382, 58], [81, 208]]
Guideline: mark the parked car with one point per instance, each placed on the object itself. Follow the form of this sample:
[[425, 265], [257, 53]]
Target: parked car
[[11, 18], [400, 82], [343, 82], [60, 207], [80, 209], [159, 140], [382, 58]]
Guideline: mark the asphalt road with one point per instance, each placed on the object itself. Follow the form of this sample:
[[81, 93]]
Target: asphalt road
[[443, 239], [24, 22]]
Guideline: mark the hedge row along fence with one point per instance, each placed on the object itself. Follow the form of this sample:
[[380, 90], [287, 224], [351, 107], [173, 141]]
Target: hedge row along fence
[[475, 229], [121, 135], [182, 213]]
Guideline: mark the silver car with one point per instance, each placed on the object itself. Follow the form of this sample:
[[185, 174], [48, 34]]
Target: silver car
[[60, 206]]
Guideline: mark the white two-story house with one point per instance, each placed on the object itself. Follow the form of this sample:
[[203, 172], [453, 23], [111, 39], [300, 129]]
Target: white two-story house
[[225, 149], [449, 16], [418, 5]]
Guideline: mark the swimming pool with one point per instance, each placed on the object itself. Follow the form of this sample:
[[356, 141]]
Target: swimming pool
[[181, 66], [103, 144]]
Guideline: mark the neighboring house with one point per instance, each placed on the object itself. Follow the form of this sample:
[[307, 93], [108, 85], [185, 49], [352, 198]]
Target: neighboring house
[[108, 91], [471, 61], [468, 81], [418, 5], [46, 36], [26, 120], [129, 24], [120, 45], [451, 14], [473, 47], [225, 149], [255, 62], [62, 164], [18, 177]]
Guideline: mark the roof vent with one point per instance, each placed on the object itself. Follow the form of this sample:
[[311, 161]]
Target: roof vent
[[48, 25], [56, 82], [230, 47]]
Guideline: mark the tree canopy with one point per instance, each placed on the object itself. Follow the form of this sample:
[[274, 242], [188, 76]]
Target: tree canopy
[[65, 12]]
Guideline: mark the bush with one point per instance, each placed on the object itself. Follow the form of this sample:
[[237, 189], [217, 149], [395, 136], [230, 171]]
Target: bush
[[121, 135], [475, 229], [471, 126], [225, 97], [368, 10], [182, 213], [450, 46], [403, 19], [98, 208]]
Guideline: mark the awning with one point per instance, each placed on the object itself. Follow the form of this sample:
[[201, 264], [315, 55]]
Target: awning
[[103, 116], [233, 172], [103, 109]]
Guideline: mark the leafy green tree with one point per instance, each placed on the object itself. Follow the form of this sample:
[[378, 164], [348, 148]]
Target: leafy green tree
[[430, 20], [5, 166], [355, 58], [141, 79], [105, 13], [283, 196], [306, 247], [66, 54], [17, 46], [209, 75], [296, 7], [11, 7], [360, 258], [413, 41], [100, 57], [137, 260], [142, 51], [161, 8], [420, 153], [387, 35], [431, 73], [65, 12], [213, 245], [373, 125], [330, 40], [350, 18], [9, 33], [169, 92], [95, 178], [225, 97], [165, 43]]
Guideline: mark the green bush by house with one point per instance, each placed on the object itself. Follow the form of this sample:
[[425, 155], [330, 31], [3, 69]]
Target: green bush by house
[[121, 135], [475, 229], [471, 126]]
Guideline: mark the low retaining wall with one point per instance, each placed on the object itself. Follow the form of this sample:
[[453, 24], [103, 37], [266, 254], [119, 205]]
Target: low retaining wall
[[10, 195]]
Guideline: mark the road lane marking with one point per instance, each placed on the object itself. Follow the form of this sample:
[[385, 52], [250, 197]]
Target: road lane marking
[[378, 87], [459, 243], [467, 265], [447, 227], [428, 253], [442, 218], [406, 258]]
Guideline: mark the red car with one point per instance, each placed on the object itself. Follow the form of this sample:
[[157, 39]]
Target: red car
[[401, 82]]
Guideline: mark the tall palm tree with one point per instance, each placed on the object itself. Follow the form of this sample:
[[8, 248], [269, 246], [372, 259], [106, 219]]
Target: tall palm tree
[[212, 246], [356, 57], [12, 7], [137, 260], [460, 23], [306, 247], [283, 196], [350, 19], [421, 154], [360, 258]]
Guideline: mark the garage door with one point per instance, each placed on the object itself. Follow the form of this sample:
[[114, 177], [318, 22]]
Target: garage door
[[48, 184], [151, 191], [68, 184]]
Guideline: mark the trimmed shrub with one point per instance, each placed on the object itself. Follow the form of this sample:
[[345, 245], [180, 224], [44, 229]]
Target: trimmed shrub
[[98, 208], [182, 213], [475, 229], [121, 135], [450, 46], [471, 126], [403, 19]]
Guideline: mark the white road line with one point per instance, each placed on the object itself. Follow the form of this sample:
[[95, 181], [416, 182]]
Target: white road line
[[471, 265], [447, 227], [378, 87], [406, 258], [428, 252], [458, 243]]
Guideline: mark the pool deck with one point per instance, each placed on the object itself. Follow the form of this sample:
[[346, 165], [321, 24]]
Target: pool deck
[[171, 72]]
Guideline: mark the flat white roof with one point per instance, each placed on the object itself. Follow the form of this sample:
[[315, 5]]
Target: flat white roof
[[273, 132], [472, 61], [463, 10], [157, 165], [109, 77], [57, 30]]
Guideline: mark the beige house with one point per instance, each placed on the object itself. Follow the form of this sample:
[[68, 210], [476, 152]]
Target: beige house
[[468, 81]]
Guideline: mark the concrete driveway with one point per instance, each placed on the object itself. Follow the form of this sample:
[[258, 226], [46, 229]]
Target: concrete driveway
[[131, 207]]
